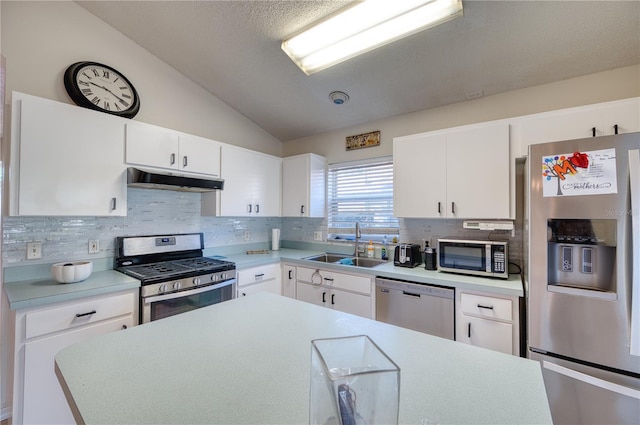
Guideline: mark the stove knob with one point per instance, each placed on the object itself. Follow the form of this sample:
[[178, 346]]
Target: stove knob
[[223, 276], [162, 288], [177, 285], [196, 281], [215, 278]]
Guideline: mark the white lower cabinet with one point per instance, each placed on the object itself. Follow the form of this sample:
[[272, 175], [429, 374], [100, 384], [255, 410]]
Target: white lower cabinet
[[259, 279], [289, 280], [42, 332], [488, 321], [343, 292]]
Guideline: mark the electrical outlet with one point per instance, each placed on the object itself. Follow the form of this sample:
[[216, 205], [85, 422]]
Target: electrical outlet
[[94, 246], [317, 236], [34, 250], [247, 235]]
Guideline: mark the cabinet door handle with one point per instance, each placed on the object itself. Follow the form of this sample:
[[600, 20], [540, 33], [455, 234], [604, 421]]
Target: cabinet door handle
[[114, 204], [249, 207], [184, 161], [439, 208], [615, 129], [488, 307], [453, 208], [244, 294], [469, 331], [124, 327], [88, 313], [257, 208], [332, 299], [593, 131], [290, 277], [302, 207], [172, 159], [323, 297]]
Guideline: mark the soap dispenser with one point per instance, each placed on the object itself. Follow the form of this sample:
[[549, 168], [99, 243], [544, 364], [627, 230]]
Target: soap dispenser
[[370, 250]]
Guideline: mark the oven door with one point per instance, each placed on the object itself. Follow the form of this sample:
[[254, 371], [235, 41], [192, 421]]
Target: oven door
[[166, 305]]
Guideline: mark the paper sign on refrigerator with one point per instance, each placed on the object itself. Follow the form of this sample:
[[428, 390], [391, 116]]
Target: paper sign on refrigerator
[[579, 173]]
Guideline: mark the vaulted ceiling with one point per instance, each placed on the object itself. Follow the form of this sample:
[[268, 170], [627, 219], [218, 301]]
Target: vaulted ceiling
[[232, 49]]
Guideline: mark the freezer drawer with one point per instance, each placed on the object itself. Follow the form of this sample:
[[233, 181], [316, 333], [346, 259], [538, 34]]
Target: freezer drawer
[[422, 308], [580, 394]]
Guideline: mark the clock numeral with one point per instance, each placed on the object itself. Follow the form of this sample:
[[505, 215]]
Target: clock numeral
[[117, 107], [105, 73], [126, 95], [126, 105], [95, 72], [95, 100], [107, 106], [117, 78], [84, 83], [86, 75], [87, 92], [124, 88]]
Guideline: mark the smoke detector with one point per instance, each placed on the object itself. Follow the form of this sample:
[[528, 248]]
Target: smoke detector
[[339, 97]]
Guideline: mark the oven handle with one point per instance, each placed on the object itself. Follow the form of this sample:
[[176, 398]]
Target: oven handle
[[180, 294]]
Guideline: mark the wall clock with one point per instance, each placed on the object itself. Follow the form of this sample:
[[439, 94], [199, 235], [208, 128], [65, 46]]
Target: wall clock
[[102, 88]]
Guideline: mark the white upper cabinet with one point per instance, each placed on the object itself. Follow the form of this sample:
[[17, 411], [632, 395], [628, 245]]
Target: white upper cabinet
[[252, 183], [153, 146], [457, 173], [65, 160], [601, 119], [419, 175], [304, 186]]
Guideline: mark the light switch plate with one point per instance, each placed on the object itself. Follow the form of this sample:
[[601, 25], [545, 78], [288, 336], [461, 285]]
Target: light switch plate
[[317, 236], [34, 250]]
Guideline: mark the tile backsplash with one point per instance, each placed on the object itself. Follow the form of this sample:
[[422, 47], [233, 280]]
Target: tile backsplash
[[161, 211]]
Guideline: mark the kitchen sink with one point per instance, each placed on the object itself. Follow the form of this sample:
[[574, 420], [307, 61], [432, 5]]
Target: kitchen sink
[[340, 259], [328, 258]]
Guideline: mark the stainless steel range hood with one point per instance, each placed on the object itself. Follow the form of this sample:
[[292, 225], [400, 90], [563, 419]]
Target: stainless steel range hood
[[167, 180]]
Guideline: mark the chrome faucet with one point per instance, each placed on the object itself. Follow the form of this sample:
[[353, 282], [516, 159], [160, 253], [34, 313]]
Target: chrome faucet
[[358, 236]]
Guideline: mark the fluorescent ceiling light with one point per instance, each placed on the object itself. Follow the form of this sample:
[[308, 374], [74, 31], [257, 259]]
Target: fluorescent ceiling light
[[363, 27]]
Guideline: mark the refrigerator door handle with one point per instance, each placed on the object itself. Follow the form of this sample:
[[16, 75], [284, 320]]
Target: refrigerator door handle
[[592, 380], [634, 188]]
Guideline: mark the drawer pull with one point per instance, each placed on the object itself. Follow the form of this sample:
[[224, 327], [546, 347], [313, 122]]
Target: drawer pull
[[89, 313], [469, 331], [124, 327], [488, 307], [328, 279], [259, 276]]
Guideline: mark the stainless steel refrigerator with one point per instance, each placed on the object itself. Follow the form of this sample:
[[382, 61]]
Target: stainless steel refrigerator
[[583, 274]]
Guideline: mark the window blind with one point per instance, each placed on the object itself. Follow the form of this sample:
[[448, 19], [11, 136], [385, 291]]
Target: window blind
[[361, 192]]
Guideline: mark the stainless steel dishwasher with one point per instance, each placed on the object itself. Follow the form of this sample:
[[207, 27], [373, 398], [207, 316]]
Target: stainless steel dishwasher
[[423, 308]]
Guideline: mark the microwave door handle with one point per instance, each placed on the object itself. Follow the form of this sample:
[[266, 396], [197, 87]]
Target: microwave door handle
[[634, 189]]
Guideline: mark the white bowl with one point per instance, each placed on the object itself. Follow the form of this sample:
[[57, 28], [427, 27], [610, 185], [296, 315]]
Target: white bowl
[[71, 272]]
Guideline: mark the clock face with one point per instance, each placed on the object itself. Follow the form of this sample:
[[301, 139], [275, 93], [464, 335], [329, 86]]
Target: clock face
[[102, 88]]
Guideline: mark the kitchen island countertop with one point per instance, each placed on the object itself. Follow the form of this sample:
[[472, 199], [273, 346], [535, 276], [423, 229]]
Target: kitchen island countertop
[[247, 361]]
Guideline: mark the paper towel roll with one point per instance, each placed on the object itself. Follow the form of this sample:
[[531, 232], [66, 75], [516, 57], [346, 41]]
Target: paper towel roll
[[275, 239]]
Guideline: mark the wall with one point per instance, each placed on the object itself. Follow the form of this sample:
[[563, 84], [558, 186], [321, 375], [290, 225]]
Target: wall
[[41, 39], [616, 84]]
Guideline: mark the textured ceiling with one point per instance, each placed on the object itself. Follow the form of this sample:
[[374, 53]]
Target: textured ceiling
[[232, 49]]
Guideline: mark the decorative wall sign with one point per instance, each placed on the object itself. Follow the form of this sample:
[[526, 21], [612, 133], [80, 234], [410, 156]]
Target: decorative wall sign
[[365, 140], [579, 173]]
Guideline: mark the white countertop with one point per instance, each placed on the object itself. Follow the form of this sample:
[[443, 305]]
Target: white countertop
[[42, 291], [247, 361]]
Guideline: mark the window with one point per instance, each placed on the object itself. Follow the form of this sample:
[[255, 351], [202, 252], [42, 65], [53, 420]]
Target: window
[[361, 192]]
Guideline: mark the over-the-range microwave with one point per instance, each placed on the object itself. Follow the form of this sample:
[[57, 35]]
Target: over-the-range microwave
[[474, 257]]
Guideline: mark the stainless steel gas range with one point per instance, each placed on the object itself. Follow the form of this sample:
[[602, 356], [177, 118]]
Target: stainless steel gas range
[[175, 277]]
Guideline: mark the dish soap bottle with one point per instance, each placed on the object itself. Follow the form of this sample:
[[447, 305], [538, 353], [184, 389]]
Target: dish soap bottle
[[383, 253], [370, 250]]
